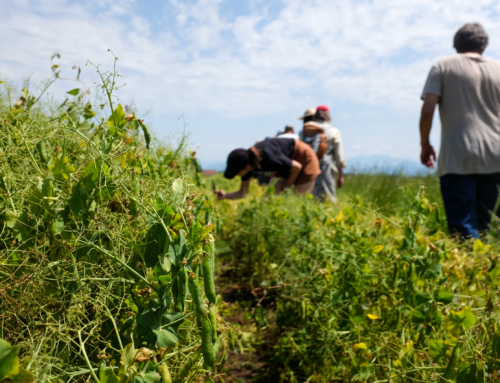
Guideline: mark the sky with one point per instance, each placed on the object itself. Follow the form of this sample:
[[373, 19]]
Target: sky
[[232, 72]]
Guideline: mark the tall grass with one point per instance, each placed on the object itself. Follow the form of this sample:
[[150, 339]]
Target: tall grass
[[390, 193]]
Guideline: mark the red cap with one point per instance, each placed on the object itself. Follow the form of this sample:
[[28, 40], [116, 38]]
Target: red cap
[[323, 107]]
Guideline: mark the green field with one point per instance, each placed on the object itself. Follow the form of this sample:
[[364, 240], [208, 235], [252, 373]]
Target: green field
[[371, 289], [111, 242]]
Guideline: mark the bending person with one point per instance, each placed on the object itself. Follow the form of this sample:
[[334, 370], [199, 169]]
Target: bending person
[[292, 160]]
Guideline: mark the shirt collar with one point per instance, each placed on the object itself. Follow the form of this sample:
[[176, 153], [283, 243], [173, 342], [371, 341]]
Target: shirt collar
[[474, 56]]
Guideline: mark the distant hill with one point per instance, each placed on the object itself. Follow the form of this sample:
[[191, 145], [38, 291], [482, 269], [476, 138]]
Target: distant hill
[[378, 163]]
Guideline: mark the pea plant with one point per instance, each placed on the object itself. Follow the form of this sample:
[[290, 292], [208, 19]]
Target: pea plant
[[351, 295], [107, 255]]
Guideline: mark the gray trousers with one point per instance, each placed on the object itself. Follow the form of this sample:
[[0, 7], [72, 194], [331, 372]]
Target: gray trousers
[[325, 187]]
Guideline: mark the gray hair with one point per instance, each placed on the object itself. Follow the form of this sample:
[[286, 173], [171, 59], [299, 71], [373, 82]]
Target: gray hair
[[470, 38]]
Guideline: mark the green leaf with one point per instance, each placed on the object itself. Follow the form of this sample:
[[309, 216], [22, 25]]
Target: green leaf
[[480, 248], [178, 249], [206, 229], [9, 362], [107, 375], [24, 376], [78, 200], [458, 322], [437, 348], [165, 264], [157, 242], [177, 186], [150, 377], [74, 92], [445, 296], [95, 176], [160, 204], [118, 116], [168, 334], [128, 355], [60, 168], [147, 322], [493, 275], [337, 297]]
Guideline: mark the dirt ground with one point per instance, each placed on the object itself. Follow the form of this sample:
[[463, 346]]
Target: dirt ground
[[250, 365]]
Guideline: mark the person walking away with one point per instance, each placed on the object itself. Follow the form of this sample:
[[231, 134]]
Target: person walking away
[[294, 161], [289, 133], [467, 88], [326, 141]]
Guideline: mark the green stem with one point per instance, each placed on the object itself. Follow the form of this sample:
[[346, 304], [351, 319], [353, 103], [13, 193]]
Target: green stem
[[121, 263], [184, 317], [10, 196], [177, 352], [116, 328], [31, 155], [82, 347]]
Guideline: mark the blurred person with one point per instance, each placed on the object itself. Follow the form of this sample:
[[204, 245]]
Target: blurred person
[[467, 88], [292, 160], [326, 141], [289, 133]]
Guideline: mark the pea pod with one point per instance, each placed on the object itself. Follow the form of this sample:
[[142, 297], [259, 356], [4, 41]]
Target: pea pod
[[188, 365], [411, 276], [42, 151], [216, 347], [210, 249], [53, 228], [134, 206], [182, 289], [147, 135], [395, 276], [208, 279], [206, 342], [454, 362], [199, 305], [165, 373], [212, 315], [175, 293]]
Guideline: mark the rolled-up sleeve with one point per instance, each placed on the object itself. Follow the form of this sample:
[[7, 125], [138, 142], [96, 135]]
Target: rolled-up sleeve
[[335, 143], [434, 83]]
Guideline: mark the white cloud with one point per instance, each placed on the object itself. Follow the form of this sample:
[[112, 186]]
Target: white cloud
[[256, 64]]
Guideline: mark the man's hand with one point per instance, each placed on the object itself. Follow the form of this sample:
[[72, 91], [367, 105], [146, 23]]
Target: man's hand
[[428, 156], [221, 194], [340, 182]]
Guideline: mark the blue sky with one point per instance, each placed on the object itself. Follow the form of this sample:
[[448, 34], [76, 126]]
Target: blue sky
[[238, 71]]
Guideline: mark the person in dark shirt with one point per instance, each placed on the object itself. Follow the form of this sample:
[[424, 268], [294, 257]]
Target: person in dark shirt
[[292, 160]]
